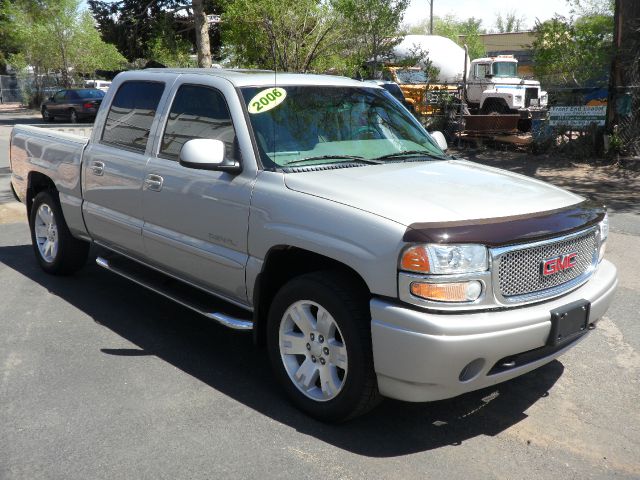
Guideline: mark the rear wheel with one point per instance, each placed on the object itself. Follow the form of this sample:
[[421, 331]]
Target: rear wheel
[[319, 342], [56, 250], [73, 116]]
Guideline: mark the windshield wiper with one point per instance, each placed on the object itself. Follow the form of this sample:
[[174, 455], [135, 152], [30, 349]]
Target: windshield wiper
[[414, 153], [326, 157]]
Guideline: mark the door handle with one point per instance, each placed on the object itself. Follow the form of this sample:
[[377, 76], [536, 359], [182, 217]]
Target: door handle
[[153, 182], [98, 168]]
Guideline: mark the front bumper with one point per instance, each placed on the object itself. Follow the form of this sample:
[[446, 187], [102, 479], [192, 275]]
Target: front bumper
[[421, 356]]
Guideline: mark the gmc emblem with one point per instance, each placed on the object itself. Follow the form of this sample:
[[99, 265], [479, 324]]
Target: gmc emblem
[[558, 264]]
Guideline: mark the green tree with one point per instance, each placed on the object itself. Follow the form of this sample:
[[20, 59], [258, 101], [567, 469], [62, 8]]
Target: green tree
[[288, 35], [134, 26], [56, 38], [373, 28], [575, 51], [509, 23], [460, 31]]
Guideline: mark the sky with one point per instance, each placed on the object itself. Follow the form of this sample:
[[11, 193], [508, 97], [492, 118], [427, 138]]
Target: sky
[[487, 10]]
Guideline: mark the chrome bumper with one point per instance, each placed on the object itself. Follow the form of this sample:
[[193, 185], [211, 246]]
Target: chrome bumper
[[421, 356]]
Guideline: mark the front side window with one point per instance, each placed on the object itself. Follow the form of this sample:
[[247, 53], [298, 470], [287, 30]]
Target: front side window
[[131, 114], [59, 96], [313, 125], [197, 112], [482, 69]]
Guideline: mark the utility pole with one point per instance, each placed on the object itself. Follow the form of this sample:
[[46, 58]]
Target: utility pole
[[430, 17]]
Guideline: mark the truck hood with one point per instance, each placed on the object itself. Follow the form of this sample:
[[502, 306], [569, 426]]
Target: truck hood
[[436, 191]]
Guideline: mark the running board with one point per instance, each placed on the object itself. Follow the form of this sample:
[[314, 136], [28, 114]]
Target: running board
[[187, 296]]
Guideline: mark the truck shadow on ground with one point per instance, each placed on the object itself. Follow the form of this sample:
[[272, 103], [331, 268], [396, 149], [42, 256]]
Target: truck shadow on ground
[[229, 362]]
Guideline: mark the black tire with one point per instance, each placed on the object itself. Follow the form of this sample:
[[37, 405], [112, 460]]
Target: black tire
[[46, 115], [349, 307], [71, 253], [73, 116]]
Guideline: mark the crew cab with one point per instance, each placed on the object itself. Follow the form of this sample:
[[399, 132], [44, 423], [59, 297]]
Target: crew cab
[[317, 213]]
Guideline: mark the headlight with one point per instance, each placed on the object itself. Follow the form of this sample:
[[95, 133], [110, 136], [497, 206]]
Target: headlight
[[444, 259], [604, 233]]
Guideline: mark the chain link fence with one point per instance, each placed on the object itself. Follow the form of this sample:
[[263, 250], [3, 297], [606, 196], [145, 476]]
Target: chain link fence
[[627, 105], [27, 89]]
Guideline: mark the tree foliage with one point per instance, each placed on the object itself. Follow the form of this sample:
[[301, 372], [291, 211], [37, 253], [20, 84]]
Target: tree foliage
[[576, 50], [460, 31], [152, 29], [308, 35], [509, 23], [286, 35], [373, 27], [55, 37]]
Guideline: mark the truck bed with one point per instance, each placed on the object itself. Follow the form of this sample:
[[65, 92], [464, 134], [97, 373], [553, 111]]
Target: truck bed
[[55, 152]]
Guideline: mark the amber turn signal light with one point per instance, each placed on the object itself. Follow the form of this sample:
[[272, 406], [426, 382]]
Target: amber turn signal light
[[448, 292], [415, 259]]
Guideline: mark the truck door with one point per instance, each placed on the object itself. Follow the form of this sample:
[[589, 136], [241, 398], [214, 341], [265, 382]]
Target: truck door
[[114, 167], [196, 221], [478, 82]]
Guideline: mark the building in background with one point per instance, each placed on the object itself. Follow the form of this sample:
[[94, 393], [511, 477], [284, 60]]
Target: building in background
[[517, 44]]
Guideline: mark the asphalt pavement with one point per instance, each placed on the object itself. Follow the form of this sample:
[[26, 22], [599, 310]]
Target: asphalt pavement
[[102, 379]]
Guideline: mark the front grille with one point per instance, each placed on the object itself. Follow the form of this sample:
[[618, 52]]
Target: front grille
[[520, 270]]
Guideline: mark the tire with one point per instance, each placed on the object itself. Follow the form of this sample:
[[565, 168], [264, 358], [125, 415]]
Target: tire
[[46, 115], [340, 383], [73, 116], [56, 250]]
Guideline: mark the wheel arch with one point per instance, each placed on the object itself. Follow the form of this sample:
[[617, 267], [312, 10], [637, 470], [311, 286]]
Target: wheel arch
[[38, 182], [281, 264]]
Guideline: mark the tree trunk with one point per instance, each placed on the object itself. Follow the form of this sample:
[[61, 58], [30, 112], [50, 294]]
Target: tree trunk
[[202, 34]]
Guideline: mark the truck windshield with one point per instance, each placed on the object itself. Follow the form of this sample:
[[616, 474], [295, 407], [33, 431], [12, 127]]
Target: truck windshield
[[313, 125], [411, 76], [505, 69]]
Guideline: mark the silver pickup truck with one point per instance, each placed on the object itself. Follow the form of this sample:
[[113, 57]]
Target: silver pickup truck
[[316, 212]]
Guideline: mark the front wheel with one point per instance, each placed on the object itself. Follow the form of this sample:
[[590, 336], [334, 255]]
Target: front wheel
[[56, 250], [319, 342]]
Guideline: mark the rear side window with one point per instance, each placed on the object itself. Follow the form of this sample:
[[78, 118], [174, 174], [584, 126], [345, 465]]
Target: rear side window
[[197, 112], [131, 114]]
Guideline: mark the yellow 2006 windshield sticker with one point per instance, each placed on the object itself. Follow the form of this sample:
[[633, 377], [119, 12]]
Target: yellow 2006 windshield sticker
[[267, 99]]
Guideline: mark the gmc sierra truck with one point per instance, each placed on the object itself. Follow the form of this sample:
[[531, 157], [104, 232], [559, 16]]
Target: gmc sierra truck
[[316, 212]]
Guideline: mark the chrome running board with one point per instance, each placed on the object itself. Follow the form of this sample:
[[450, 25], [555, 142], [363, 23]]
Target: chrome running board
[[181, 293]]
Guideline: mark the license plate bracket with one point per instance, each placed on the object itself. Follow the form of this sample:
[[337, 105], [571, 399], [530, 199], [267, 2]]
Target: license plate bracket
[[569, 322]]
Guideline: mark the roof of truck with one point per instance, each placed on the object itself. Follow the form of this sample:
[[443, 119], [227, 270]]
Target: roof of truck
[[243, 78]]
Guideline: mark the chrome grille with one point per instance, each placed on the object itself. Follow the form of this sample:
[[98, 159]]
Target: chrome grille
[[520, 269]]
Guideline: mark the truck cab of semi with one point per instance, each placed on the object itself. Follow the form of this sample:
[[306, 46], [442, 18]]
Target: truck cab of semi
[[493, 86]]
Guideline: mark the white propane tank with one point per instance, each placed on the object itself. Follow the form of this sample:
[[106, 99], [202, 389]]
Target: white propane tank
[[445, 54]]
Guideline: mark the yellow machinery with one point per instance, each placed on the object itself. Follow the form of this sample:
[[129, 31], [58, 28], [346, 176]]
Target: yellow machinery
[[420, 94]]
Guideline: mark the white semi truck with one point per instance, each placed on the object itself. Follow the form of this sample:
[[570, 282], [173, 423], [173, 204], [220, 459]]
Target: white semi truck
[[491, 85]]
